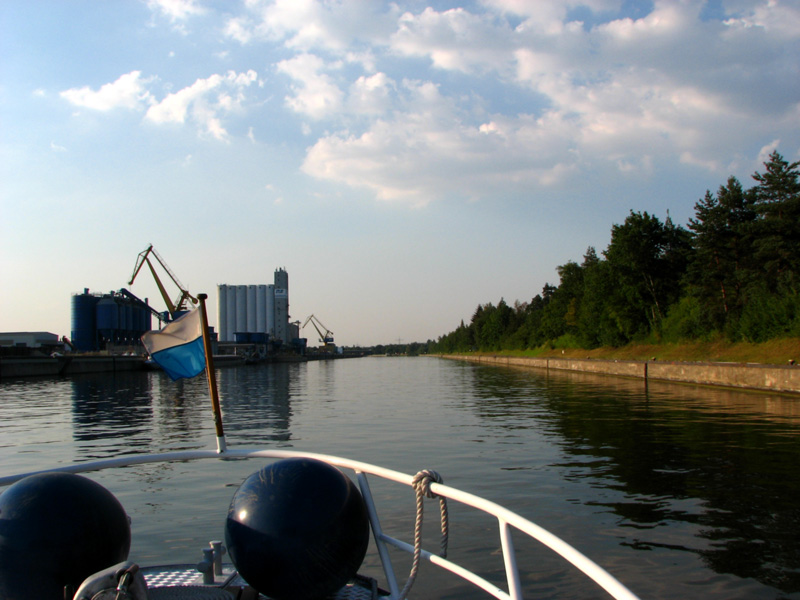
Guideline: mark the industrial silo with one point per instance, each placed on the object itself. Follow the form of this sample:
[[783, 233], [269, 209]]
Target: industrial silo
[[108, 319], [231, 314], [84, 321], [241, 308], [222, 310], [261, 309], [271, 310], [251, 308]]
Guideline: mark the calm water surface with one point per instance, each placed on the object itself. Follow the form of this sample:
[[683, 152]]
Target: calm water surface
[[679, 491]]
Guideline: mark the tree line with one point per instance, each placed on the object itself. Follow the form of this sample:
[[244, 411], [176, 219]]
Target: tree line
[[731, 273]]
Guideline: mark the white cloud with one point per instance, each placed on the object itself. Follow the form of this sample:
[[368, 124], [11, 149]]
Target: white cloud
[[204, 101], [314, 93], [455, 39], [763, 154], [306, 25], [128, 91], [370, 95], [426, 152], [175, 107], [781, 19], [629, 94], [176, 10]]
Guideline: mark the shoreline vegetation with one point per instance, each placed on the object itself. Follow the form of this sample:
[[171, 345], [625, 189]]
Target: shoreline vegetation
[[779, 352], [725, 288]]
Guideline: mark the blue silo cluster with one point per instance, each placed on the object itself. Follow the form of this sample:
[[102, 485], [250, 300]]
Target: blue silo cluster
[[100, 320]]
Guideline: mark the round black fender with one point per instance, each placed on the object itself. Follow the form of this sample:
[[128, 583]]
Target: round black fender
[[56, 529], [298, 528]]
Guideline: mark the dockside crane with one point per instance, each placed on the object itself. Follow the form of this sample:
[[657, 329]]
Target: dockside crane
[[181, 303], [327, 337], [136, 300]]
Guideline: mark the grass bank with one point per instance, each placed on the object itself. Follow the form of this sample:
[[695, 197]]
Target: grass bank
[[774, 352]]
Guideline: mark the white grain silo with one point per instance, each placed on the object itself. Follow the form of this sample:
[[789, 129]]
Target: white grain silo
[[261, 309], [251, 308], [241, 309], [222, 312], [271, 310], [231, 313]]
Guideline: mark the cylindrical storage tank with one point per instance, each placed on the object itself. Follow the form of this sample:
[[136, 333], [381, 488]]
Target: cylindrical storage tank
[[231, 315], [144, 321], [261, 309], [251, 308], [84, 321], [271, 309], [107, 315], [138, 321], [222, 311], [126, 318], [241, 308]]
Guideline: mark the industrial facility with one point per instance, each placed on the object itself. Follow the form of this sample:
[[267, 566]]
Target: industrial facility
[[253, 319], [256, 313], [253, 326], [113, 319]]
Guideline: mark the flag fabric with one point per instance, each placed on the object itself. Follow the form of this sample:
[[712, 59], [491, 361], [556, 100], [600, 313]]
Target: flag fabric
[[178, 348]]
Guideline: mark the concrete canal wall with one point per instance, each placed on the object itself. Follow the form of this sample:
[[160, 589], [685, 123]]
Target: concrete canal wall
[[773, 378], [67, 365]]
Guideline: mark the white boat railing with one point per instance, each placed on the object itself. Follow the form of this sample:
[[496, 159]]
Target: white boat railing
[[507, 520]]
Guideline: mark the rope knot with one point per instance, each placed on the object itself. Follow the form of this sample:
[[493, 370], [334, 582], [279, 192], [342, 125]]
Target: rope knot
[[422, 482]]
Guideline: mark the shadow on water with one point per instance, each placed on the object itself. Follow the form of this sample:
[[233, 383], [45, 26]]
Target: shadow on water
[[720, 463]]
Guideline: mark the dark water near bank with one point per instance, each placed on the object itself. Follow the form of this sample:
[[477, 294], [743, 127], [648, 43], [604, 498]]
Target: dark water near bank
[[679, 491]]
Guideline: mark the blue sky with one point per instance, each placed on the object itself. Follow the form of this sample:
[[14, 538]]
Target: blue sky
[[403, 161]]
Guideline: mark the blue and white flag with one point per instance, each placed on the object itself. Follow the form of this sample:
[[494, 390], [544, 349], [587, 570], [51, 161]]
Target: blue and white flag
[[178, 348]]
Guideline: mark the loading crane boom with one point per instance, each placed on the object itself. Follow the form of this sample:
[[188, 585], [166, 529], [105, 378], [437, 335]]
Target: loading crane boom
[[181, 302], [160, 316], [327, 337]]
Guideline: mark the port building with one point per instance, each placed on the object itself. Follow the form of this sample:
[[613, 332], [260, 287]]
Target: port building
[[256, 312]]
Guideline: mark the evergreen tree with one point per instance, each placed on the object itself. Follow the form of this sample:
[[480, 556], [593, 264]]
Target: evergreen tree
[[722, 257], [648, 259], [777, 203]]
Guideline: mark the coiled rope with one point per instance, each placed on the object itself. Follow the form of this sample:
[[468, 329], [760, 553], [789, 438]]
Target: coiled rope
[[422, 486]]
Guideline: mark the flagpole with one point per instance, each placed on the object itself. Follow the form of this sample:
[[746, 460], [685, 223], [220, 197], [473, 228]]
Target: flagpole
[[212, 376]]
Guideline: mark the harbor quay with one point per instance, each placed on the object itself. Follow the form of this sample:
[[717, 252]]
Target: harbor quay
[[773, 378]]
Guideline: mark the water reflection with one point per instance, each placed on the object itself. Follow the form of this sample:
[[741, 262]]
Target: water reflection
[[256, 400], [679, 491], [114, 407], [719, 464]]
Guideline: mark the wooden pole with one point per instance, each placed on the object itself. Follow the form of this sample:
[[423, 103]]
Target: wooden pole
[[212, 376]]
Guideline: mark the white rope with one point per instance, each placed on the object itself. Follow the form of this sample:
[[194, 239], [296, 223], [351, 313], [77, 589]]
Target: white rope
[[422, 487]]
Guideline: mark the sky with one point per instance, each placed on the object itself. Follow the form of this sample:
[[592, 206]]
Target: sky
[[404, 161]]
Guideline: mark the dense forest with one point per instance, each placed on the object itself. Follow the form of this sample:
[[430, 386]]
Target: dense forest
[[731, 273]]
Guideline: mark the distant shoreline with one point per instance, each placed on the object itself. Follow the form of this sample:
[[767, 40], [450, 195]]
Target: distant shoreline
[[773, 378]]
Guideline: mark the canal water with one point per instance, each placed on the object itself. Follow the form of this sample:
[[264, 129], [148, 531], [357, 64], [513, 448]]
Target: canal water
[[679, 491]]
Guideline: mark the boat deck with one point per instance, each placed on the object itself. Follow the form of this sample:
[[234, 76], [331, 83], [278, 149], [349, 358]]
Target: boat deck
[[176, 582]]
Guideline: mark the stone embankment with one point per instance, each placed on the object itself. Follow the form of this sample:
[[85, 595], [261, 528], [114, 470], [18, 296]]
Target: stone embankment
[[774, 378], [67, 365]]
